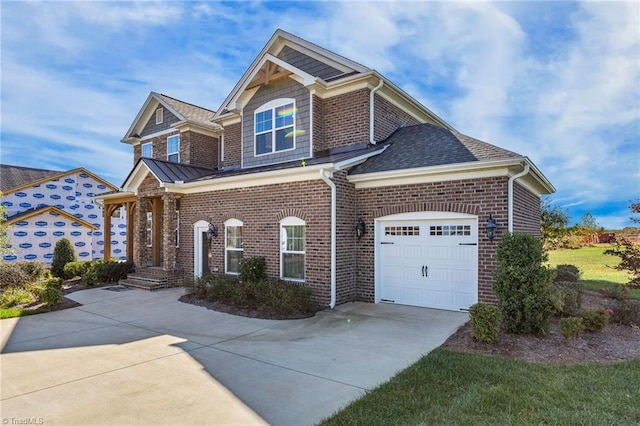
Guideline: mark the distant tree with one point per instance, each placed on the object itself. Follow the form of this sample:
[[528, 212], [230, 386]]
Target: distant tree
[[635, 208], [5, 240], [553, 225], [628, 253], [588, 227]]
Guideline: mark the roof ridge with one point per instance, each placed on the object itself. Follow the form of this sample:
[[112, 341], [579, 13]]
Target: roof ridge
[[32, 168], [186, 103]]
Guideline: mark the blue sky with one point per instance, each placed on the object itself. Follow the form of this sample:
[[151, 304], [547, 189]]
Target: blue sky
[[556, 81]]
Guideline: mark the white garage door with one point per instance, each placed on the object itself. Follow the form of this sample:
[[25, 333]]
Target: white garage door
[[431, 263]]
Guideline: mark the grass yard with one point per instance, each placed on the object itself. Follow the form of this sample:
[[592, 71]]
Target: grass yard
[[447, 387], [596, 267]]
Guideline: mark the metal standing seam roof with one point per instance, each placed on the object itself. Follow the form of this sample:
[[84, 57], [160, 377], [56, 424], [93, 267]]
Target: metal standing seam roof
[[17, 176], [426, 145], [169, 172]]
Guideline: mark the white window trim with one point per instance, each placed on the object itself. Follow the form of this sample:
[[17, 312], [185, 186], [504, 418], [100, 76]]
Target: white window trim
[[176, 152], [149, 229], [272, 105], [159, 115], [291, 221], [149, 144], [177, 228], [229, 223]]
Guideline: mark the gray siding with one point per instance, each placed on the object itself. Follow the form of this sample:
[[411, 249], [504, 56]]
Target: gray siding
[[151, 127], [308, 64], [283, 88]]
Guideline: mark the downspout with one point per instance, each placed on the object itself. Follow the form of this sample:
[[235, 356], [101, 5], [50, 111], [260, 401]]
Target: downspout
[[332, 185], [510, 189], [371, 108]]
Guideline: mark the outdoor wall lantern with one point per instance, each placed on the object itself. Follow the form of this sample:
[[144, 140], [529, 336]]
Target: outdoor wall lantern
[[212, 232], [361, 228], [491, 227]]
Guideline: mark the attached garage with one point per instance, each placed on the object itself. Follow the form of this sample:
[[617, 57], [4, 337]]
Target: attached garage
[[427, 259]]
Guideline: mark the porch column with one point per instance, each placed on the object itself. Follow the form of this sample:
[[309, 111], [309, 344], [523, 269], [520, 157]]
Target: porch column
[[107, 210], [140, 233], [169, 231], [131, 228], [156, 230]]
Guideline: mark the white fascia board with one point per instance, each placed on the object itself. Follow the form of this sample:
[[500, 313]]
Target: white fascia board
[[250, 180], [185, 126], [544, 182], [154, 135], [127, 137], [139, 173], [115, 195], [345, 164], [320, 54], [169, 107], [472, 170]]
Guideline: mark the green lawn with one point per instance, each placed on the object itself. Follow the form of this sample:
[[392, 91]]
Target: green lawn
[[448, 387], [596, 267]]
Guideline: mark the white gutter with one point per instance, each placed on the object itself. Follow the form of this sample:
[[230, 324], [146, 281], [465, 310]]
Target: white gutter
[[332, 185], [510, 188], [371, 108]]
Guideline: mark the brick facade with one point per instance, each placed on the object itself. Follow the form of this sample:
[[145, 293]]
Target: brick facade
[[388, 118], [526, 211], [480, 197], [346, 119], [233, 145], [260, 209]]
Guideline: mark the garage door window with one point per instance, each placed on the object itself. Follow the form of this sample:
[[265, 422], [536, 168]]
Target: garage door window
[[402, 230], [449, 230]]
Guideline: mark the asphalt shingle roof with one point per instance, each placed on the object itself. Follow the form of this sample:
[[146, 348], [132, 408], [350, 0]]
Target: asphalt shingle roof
[[17, 176], [427, 145], [189, 111]]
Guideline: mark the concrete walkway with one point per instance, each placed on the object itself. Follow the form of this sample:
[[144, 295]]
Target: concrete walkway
[[143, 358]]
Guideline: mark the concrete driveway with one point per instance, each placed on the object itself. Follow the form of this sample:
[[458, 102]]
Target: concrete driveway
[[139, 357]]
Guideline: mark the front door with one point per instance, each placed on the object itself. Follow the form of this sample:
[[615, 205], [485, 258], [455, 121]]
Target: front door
[[201, 249]]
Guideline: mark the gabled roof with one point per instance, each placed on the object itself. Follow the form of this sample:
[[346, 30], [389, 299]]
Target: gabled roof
[[18, 176], [279, 41], [15, 178], [187, 114], [36, 211], [426, 145], [170, 172]]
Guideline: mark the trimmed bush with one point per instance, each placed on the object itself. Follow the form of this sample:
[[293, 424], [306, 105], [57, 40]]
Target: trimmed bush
[[63, 253], [11, 275], [572, 327], [571, 297], [76, 269], [268, 298], [567, 273], [35, 270], [50, 291], [485, 322], [253, 269], [625, 312], [100, 271], [594, 319], [522, 285]]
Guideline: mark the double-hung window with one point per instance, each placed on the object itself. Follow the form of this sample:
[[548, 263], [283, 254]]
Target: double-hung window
[[173, 148], [275, 126], [147, 150], [233, 246], [292, 248]]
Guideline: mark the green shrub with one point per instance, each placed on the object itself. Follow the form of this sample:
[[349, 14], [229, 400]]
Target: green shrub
[[571, 297], [35, 270], [14, 296], [253, 269], [572, 327], [11, 275], [625, 312], [63, 253], [199, 287], [594, 319], [100, 271], [50, 291], [616, 291], [76, 269], [269, 298], [522, 285], [485, 322], [567, 273]]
